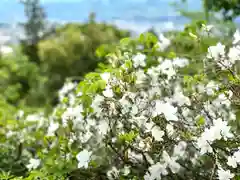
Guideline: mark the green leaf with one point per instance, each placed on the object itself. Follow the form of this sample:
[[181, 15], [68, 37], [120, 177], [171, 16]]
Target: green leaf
[[193, 35], [172, 55], [101, 84], [141, 38], [125, 41], [201, 121], [128, 137]]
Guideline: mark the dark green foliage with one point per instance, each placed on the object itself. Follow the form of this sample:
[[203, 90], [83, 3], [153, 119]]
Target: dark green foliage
[[230, 8]]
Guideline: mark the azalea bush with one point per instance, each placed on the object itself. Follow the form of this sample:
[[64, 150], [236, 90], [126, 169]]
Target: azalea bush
[[143, 116]]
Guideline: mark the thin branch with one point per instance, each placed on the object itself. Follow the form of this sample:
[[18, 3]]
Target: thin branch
[[214, 168]]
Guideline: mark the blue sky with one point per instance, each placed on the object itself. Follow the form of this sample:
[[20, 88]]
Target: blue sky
[[10, 10], [125, 13], [108, 1]]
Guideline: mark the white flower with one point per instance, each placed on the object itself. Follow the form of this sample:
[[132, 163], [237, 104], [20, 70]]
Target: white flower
[[225, 64], [134, 110], [232, 161], [207, 28], [167, 68], [9, 134], [216, 51], [223, 128], [236, 37], [126, 170], [135, 157], [153, 72], [96, 103], [234, 54], [79, 94], [84, 137], [232, 116], [164, 43], [167, 109], [179, 149], [126, 105], [155, 171], [211, 87], [106, 76], [236, 155], [71, 99], [216, 132], [204, 145], [200, 88], [148, 176], [139, 60], [140, 77], [180, 98], [221, 100], [52, 128], [33, 117], [103, 127], [20, 114], [83, 158], [33, 164], [108, 92], [149, 126], [141, 144], [157, 133], [224, 175], [66, 89], [72, 114], [180, 62], [170, 130], [171, 162], [113, 174]]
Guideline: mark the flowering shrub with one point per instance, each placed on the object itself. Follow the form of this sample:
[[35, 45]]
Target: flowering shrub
[[142, 118]]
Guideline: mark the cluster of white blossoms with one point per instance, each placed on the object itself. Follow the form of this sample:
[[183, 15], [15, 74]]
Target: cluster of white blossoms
[[66, 90], [144, 121], [163, 43], [33, 164], [219, 130], [226, 59]]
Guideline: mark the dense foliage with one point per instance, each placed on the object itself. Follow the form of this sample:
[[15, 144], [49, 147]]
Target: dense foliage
[[144, 116], [230, 9], [96, 104]]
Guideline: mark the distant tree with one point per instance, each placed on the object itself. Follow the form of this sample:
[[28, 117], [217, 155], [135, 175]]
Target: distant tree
[[230, 9], [92, 18], [33, 27]]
